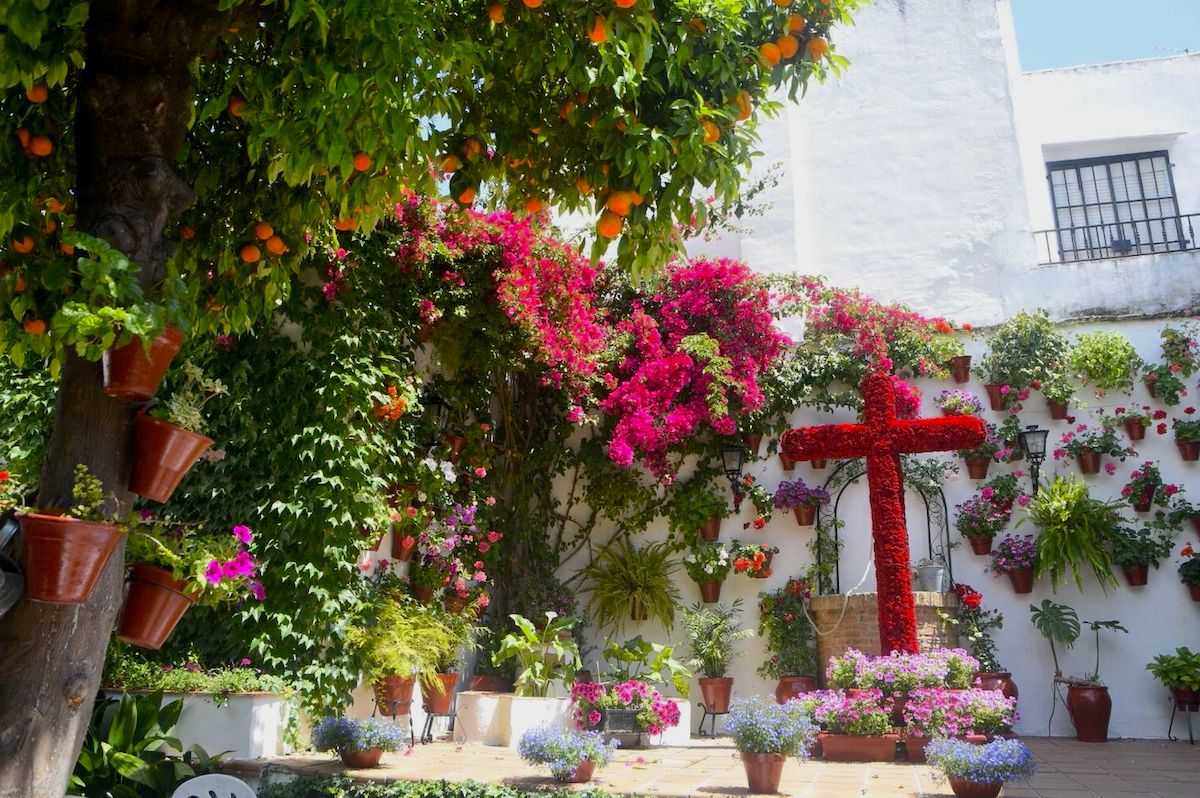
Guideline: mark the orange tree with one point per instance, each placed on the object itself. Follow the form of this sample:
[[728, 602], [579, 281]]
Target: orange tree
[[178, 160]]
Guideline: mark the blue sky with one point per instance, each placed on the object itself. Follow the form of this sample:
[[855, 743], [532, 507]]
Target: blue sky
[[1055, 33]]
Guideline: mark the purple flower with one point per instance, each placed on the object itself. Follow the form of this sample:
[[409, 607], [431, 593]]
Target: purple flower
[[243, 533], [246, 660], [259, 592]]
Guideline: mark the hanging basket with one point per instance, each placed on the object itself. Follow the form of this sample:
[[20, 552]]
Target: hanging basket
[[1089, 462], [1134, 428], [1188, 450], [64, 557], [960, 368], [154, 604], [131, 374], [162, 454]]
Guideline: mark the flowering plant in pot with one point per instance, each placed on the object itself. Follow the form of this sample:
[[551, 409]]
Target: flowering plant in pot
[[958, 402], [753, 559], [804, 499], [713, 636], [1058, 390], [764, 503], [360, 743], [708, 564], [1187, 435], [1016, 556], [980, 771], [979, 519], [1134, 549], [1180, 673], [1027, 348], [857, 728], [1146, 487], [933, 712], [1088, 444], [593, 704], [169, 440], [571, 755], [765, 735], [978, 458], [1180, 360], [1189, 570], [975, 625], [1135, 420], [783, 623], [696, 508], [1106, 360], [1182, 511], [1002, 490]]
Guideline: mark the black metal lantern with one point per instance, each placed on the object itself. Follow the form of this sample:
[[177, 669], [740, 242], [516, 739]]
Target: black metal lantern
[[437, 414], [732, 458], [1033, 443]]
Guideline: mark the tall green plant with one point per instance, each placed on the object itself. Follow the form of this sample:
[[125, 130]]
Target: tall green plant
[[544, 655], [1077, 532], [1025, 349], [623, 581], [713, 635], [409, 639]]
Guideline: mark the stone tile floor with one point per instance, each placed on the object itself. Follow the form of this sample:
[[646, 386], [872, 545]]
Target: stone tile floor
[[1066, 769]]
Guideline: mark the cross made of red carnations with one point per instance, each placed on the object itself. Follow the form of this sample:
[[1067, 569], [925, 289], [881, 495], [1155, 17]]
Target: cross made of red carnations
[[881, 438]]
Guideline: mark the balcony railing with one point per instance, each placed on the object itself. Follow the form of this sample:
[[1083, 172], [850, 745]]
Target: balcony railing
[[1118, 239]]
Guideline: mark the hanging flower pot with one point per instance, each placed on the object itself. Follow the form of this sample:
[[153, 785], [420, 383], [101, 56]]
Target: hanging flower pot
[[1090, 707], [403, 547], [162, 455], [423, 595], [456, 443], [154, 604], [132, 374], [1058, 410], [788, 463], [368, 758], [791, 686], [454, 603], [1016, 453], [1195, 519], [763, 772], [1136, 575], [1188, 450], [977, 467], [710, 592], [818, 464], [64, 556], [995, 396], [438, 703], [806, 514], [963, 788], [393, 695], [998, 680], [752, 440], [716, 691], [1134, 428], [1022, 580], [1089, 462], [710, 530], [960, 368], [1142, 505], [1194, 591]]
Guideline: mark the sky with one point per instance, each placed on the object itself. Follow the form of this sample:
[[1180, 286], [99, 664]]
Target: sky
[[1057, 33]]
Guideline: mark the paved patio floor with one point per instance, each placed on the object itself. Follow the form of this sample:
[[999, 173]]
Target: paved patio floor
[[1067, 769]]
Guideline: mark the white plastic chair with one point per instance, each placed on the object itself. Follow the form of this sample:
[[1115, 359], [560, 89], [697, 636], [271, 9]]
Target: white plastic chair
[[213, 785]]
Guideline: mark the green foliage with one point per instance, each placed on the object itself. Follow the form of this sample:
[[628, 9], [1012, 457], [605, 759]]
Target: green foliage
[[345, 787], [1105, 359], [543, 655], [1179, 670], [1076, 532], [1147, 545], [88, 493], [784, 621], [694, 501], [713, 634], [193, 391], [1058, 623], [622, 582], [1025, 349], [126, 669], [652, 663], [26, 407], [404, 638]]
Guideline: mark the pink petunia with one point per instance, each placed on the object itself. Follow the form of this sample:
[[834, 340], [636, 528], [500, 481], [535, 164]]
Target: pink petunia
[[243, 533]]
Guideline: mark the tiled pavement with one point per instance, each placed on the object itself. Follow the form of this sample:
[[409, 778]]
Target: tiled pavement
[[1066, 769]]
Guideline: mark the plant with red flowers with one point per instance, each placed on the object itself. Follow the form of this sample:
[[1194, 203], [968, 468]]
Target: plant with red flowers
[[9, 492], [975, 625], [1189, 569], [1147, 486], [1085, 439], [764, 503], [783, 623], [1186, 429], [1181, 356], [1139, 415], [908, 398], [753, 559]]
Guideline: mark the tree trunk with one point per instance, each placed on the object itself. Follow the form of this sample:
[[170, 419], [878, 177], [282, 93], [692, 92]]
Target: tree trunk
[[133, 102]]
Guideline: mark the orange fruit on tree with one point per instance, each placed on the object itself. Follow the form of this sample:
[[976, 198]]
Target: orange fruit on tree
[[35, 326], [19, 283], [583, 185], [263, 231], [345, 224], [362, 161], [235, 106], [41, 146], [450, 164], [467, 196], [712, 133], [496, 13], [532, 3], [625, 3], [744, 107], [23, 137], [816, 48], [783, 3], [51, 225], [788, 45], [533, 205], [604, 169], [22, 245], [609, 225], [472, 148], [66, 249], [795, 23], [769, 53], [249, 253], [186, 232], [54, 206], [619, 202], [37, 94], [599, 32], [275, 245]]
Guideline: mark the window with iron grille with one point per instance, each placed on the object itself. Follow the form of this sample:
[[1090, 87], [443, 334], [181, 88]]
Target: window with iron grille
[[1115, 206]]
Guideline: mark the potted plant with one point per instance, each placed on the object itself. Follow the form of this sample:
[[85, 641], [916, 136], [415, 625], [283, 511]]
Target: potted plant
[[1180, 673], [1088, 445], [572, 756], [1189, 571], [708, 564], [764, 503], [1076, 530], [857, 728], [1002, 490], [980, 519], [1017, 557], [133, 370], [1187, 436], [1146, 487], [1058, 391], [1135, 549], [958, 403], [1106, 360], [980, 771], [1009, 432], [960, 368], [1135, 420], [980, 457], [970, 715], [173, 566], [360, 743], [765, 735], [627, 583], [753, 559], [1088, 701], [168, 441], [631, 705], [1179, 349], [544, 656], [713, 635], [1183, 512], [801, 498], [697, 507], [783, 621], [1028, 348], [64, 554], [975, 626]]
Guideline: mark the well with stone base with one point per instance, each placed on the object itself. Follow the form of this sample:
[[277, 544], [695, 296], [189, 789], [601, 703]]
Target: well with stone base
[[845, 622]]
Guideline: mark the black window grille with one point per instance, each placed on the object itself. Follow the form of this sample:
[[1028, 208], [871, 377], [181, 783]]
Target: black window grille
[[1115, 206]]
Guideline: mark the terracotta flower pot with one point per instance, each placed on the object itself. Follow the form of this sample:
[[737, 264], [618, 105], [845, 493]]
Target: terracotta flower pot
[[1134, 428], [716, 691], [362, 759], [162, 454], [1195, 519], [1090, 707], [1186, 700], [710, 530], [995, 396], [496, 684], [1089, 462], [400, 552], [1022, 581], [960, 368], [859, 748], [455, 603], [806, 514], [1194, 590], [962, 788], [1016, 453], [899, 702], [583, 772], [1136, 575], [977, 467], [818, 463], [791, 686], [132, 374], [456, 443], [154, 604], [763, 771], [980, 544], [752, 440], [710, 592], [439, 703], [1058, 410], [1142, 505], [1188, 450], [423, 595], [998, 680], [64, 556], [915, 746], [789, 464], [393, 695]]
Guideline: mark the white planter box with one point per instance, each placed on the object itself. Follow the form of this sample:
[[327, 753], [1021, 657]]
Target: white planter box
[[529, 713], [681, 734], [483, 717], [501, 718], [247, 725]]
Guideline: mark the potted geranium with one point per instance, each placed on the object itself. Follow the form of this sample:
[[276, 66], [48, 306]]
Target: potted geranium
[[764, 503], [969, 715], [1180, 361], [1146, 487], [713, 635], [1028, 348], [168, 440], [1189, 571], [1016, 556], [1088, 445], [765, 735], [1182, 512], [571, 755], [980, 519], [1002, 490], [957, 402], [1180, 673], [858, 728], [360, 743], [802, 498], [1135, 549], [753, 559], [1135, 420], [1058, 391], [980, 771], [975, 625], [708, 564], [980, 457], [1187, 436], [697, 507], [783, 623]]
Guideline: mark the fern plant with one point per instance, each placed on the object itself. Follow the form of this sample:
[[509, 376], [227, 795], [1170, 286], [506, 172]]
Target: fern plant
[[713, 635], [1077, 532], [410, 639], [628, 583]]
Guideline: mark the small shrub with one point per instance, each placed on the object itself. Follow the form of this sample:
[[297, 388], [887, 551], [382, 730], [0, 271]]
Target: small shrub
[[1000, 760], [564, 750], [759, 726], [350, 734]]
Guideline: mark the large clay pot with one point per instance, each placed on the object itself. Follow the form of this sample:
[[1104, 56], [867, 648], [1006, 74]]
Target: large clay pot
[[977, 467], [859, 748], [710, 530], [975, 789], [132, 374], [1058, 410], [752, 440], [1134, 428], [710, 592], [1090, 707], [362, 759], [915, 746], [1089, 462], [154, 604], [960, 368], [998, 680], [1186, 700], [393, 695], [1136, 575], [806, 514], [438, 703], [791, 686], [64, 556], [162, 454], [583, 772], [995, 396], [980, 544], [763, 771], [1022, 581], [1188, 450], [716, 692]]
